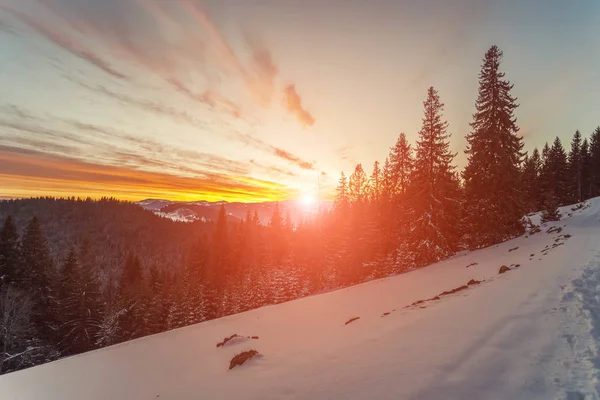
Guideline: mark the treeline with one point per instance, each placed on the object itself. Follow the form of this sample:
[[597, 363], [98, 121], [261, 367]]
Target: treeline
[[410, 211]]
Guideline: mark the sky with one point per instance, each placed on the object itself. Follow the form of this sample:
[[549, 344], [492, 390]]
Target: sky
[[260, 100]]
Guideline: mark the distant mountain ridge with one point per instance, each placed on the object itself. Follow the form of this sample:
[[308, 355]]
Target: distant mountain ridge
[[202, 210]]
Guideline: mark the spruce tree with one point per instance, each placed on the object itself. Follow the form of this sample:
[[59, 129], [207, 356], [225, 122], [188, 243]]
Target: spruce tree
[[80, 304], [585, 170], [40, 279], [130, 303], [375, 183], [595, 163], [556, 178], [387, 184], [531, 188], [11, 265], [434, 202], [342, 201], [494, 152], [574, 184], [401, 164], [358, 185]]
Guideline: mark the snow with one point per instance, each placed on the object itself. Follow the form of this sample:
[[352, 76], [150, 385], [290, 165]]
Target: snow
[[153, 204], [530, 333], [180, 215]]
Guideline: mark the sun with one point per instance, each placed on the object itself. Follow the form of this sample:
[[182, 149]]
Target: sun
[[308, 200]]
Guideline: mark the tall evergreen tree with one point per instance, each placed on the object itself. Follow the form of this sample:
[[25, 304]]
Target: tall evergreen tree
[[358, 185], [531, 188], [434, 202], [342, 201], [11, 265], [80, 303], [574, 184], [585, 170], [595, 163], [375, 183], [40, 279], [494, 157], [131, 292], [401, 164], [556, 178]]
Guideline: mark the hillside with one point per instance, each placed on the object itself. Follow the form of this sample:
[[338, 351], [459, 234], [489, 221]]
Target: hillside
[[529, 333], [114, 228], [208, 211]]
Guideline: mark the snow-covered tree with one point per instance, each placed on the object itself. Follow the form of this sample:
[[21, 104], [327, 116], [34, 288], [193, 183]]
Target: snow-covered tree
[[434, 200], [358, 185], [494, 151], [401, 164], [574, 169]]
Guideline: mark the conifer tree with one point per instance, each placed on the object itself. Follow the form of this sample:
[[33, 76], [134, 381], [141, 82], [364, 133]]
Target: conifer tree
[[401, 164], [585, 170], [375, 183], [494, 157], [531, 188], [574, 184], [40, 279], [11, 265], [556, 173], [358, 185], [342, 197], [80, 304], [594, 158], [434, 202], [131, 292]]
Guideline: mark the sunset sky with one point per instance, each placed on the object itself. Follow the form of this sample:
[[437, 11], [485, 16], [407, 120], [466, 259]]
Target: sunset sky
[[257, 100]]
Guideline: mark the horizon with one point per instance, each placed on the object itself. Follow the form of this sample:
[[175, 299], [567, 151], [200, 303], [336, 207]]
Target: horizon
[[253, 103]]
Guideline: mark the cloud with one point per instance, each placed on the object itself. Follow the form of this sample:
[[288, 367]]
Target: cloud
[[293, 159], [28, 172], [272, 169], [65, 42], [293, 104]]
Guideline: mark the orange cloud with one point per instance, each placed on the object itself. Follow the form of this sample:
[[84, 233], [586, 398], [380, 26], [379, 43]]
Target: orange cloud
[[293, 103], [293, 159], [25, 173]]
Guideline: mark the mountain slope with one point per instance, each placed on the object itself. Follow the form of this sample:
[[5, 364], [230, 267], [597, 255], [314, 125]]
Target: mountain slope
[[530, 333]]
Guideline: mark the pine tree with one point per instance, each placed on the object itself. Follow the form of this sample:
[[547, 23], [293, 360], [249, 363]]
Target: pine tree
[[80, 303], [574, 168], [11, 263], [40, 280], [375, 183], [550, 212], [555, 171], [595, 163], [494, 157], [401, 164], [434, 202], [358, 185], [130, 304], [585, 170], [342, 201], [530, 179], [387, 185]]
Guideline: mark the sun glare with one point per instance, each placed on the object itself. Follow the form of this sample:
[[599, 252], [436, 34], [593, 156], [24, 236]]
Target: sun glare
[[308, 200]]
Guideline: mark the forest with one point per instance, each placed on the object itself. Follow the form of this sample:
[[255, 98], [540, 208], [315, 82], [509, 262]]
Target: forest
[[81, 274]]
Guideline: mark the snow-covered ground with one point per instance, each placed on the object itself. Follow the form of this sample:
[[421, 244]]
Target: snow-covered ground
[[530, 333]]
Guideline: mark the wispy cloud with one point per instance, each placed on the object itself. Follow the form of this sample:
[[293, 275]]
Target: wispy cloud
[[293, 159], [293, 103], [67, 43], [31, 172]]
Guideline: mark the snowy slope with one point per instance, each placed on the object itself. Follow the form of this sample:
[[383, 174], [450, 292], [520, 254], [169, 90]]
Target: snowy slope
[[530, 333]]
